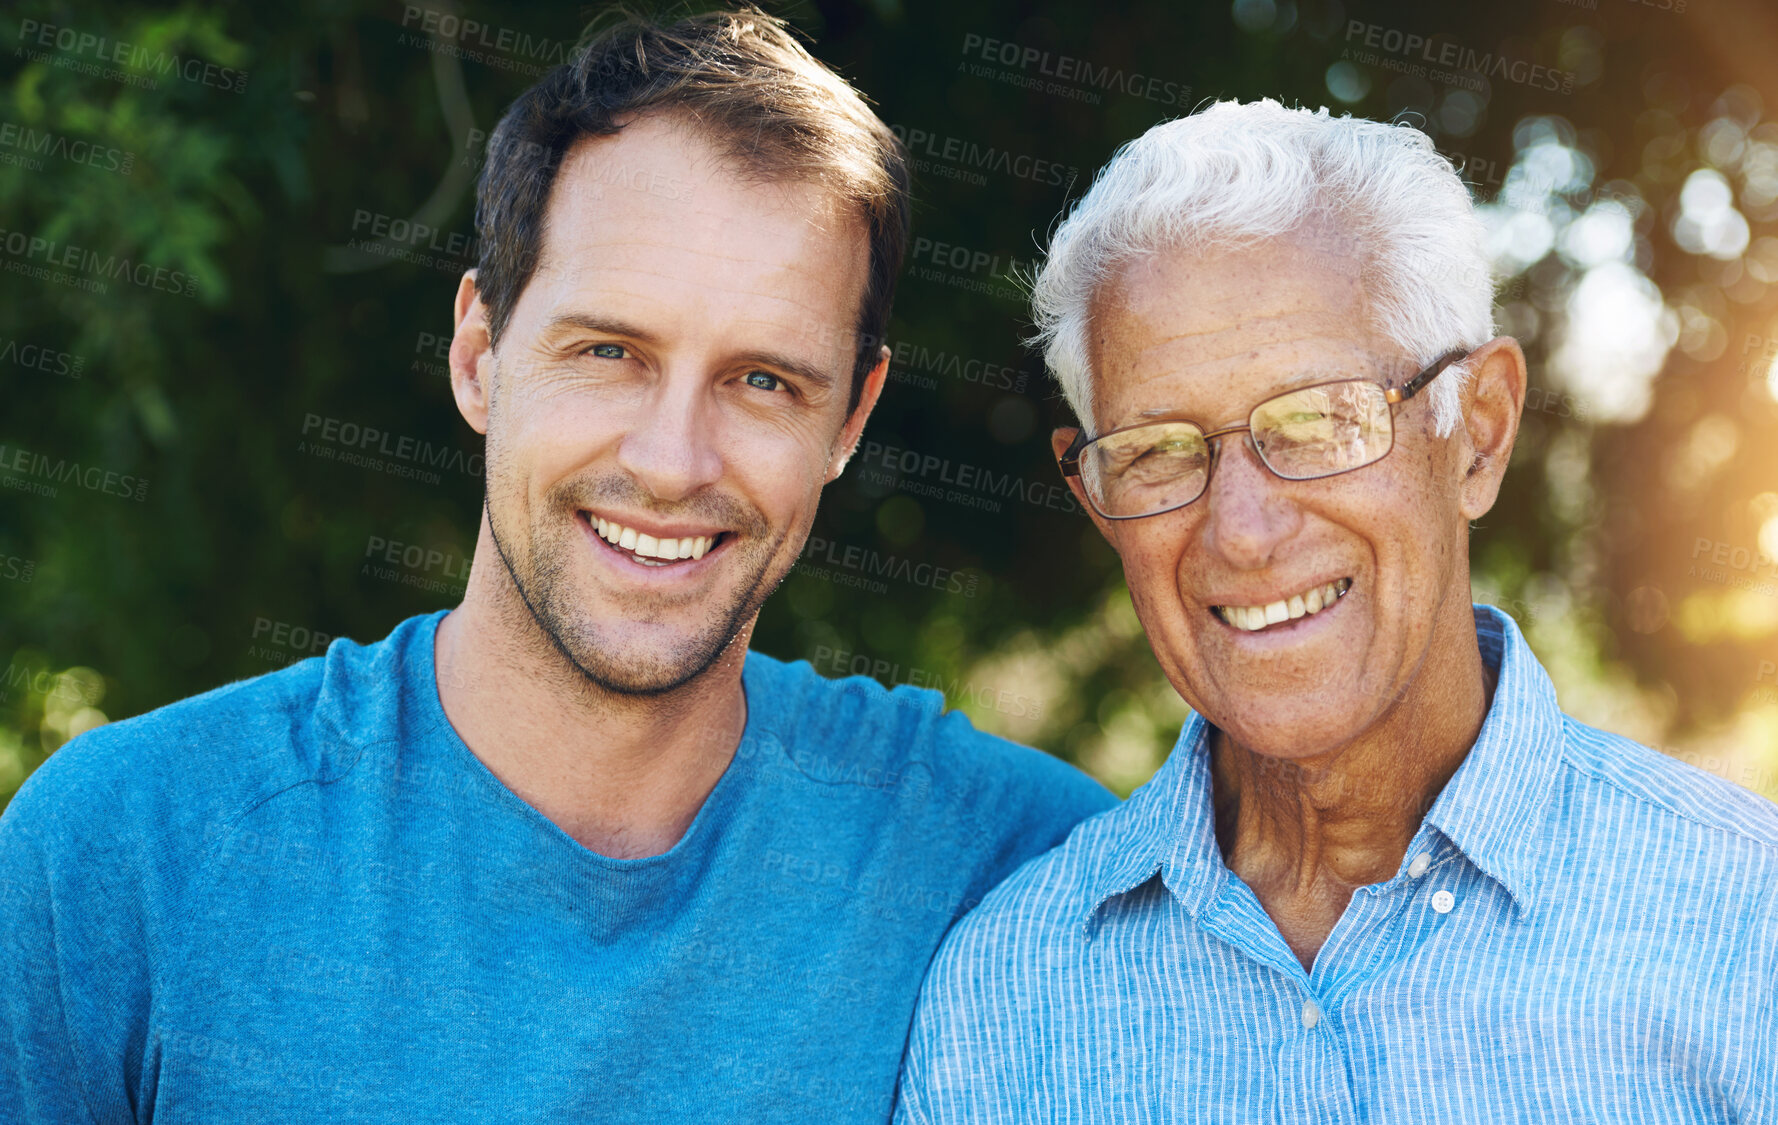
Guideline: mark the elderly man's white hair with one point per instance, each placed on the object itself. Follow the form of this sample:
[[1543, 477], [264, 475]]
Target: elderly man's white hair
[[1239, 172]]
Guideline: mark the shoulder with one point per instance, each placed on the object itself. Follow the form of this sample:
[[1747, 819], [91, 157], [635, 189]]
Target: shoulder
[[980, 1027], [1698, 845], [167, 764], [1026, 939], [1042, 907], [1691, 806], [191, 766], [838, 727]]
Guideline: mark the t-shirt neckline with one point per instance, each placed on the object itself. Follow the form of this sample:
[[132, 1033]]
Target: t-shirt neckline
[[706, 827]]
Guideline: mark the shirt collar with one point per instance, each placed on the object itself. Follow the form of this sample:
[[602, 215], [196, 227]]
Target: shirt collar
[[1493, 806], [1168, 827], [1490, 809]]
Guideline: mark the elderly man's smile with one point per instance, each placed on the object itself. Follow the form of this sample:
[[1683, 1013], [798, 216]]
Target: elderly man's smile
[[1283, 611]]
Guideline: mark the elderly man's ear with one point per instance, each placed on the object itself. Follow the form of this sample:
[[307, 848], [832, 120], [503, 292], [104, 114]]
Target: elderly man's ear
[[1493, 400], [1060, 439]]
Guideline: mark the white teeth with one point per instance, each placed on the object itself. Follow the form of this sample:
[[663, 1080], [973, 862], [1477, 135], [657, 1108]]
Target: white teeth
[[649, 549], [1252, 618]]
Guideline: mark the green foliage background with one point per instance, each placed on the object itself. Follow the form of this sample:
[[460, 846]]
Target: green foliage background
[[110, 606]]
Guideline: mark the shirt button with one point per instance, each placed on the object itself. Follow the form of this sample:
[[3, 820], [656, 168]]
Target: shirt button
[[1311, 1014], [1418, 865], [1443, 901]]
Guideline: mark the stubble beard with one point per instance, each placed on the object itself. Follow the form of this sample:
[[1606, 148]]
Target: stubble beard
[[543, 580]]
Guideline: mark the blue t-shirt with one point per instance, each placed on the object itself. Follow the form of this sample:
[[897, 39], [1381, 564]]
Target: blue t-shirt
[[301, 898]]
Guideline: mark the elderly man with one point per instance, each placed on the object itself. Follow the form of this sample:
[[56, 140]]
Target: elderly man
[[1381, 876]]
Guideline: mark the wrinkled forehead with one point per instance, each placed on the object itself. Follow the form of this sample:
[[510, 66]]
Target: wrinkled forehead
[[1211, 332]]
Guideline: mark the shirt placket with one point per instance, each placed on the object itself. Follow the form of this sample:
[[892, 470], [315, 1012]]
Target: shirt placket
[[1310, 1076], [1310, 1065], [1368, 940]]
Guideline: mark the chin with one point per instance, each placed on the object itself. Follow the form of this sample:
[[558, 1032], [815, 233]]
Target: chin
[[1292, 725], [640, 675], [637, 659], [1275, 742]]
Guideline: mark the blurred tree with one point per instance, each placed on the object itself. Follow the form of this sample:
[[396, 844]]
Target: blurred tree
[[290, 194]]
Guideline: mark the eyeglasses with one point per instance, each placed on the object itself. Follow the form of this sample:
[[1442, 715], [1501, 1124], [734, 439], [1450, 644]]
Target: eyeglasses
[[1303, 434]]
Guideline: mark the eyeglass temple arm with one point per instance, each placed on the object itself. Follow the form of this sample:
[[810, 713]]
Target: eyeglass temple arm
[[1070, 458], [1418, 383]]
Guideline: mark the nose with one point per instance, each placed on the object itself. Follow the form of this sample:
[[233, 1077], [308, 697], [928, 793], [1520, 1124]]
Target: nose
[[671, 445], [1247, 516]]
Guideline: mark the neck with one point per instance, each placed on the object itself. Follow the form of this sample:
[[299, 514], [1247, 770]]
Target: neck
[[623, 775], [1307, 832]]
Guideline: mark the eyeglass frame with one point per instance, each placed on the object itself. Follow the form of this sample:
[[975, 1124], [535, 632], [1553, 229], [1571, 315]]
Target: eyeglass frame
[[1069, 461]]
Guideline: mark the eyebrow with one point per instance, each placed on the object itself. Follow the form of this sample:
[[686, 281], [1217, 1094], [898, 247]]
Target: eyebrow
[[611, 326], [1305, 381]]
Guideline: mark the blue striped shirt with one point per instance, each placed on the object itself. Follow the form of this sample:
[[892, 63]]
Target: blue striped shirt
[[1582, 930]]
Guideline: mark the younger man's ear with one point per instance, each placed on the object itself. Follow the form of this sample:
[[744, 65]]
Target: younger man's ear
[[471, 355], [847, 441]]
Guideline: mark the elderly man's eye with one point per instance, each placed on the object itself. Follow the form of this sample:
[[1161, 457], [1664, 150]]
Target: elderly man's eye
[[606, 351], [764, 380]]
